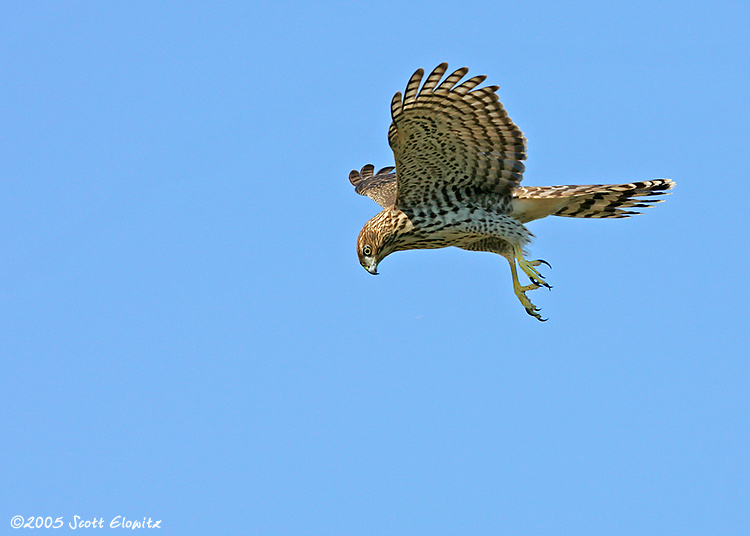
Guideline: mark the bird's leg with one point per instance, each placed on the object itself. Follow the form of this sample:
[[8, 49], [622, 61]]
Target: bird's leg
[[521, 292], [528, 267]]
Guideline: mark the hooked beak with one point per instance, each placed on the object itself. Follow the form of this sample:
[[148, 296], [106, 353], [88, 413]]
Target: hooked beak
[[372, 268]]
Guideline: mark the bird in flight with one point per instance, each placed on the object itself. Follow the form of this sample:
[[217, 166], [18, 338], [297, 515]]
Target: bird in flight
[[457, 181]]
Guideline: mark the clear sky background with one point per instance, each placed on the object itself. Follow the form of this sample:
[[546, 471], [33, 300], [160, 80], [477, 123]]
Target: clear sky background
[[186, 333]]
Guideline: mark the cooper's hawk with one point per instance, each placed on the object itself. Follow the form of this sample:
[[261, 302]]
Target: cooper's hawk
[[457, 181]]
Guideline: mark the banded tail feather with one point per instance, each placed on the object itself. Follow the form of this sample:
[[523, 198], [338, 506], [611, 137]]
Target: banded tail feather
[[588, 201]]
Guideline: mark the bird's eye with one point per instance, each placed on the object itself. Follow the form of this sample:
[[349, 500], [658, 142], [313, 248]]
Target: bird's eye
[[367, 251]]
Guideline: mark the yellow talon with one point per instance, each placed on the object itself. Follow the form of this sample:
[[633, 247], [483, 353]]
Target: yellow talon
[[528, 267], [521, 292]]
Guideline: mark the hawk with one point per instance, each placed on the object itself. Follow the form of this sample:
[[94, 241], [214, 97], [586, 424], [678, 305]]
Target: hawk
[[456, 182]]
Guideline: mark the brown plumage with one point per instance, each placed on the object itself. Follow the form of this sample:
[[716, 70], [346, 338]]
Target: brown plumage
[[457, 181]]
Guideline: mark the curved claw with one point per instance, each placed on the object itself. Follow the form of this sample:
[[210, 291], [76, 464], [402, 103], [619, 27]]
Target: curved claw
[[536, 278], [533, 312], [539, 281], [528, 267], [538, 284]]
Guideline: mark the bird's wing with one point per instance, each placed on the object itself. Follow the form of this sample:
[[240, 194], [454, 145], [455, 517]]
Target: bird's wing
[[380, 186], [452, 136]]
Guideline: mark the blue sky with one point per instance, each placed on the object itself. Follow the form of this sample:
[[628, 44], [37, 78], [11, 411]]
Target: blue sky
[[186, 333]]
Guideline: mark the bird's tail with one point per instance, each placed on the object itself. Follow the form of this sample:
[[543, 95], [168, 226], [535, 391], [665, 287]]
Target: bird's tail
[[590, 201]]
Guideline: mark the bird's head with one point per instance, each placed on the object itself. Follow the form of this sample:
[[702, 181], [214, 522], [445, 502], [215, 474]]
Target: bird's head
[[379, 238]]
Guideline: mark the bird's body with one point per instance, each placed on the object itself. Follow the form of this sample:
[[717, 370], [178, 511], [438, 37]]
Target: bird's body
[[450, 222], [458, 169]]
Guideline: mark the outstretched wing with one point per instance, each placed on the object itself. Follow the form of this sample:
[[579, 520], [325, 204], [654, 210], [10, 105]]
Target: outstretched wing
[[452, 136], [380, 187]]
